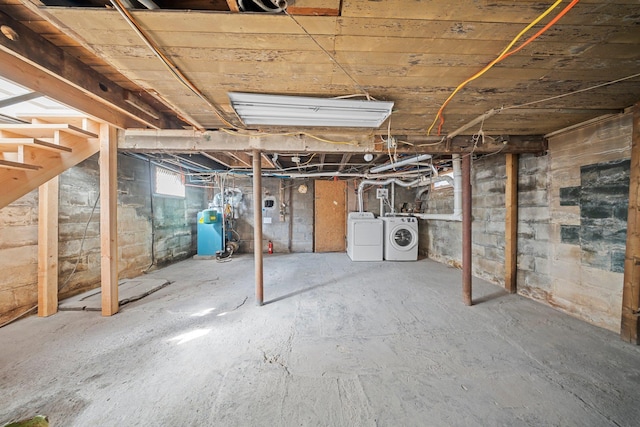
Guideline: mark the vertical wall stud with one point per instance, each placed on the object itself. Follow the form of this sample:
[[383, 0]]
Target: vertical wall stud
[[511, 224], [108, 219], [48, 248], [630, 324]]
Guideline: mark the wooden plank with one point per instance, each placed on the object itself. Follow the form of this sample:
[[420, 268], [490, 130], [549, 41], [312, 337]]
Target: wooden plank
[[17, 182], [63, 72], [207, 41], [243, 158], [108, 219], [504, 31], [267, 163], [321, 162], [41, 81], [630, 322], [521, 12], [511, 224], [12, 143], [45, 130], [216, 143], [87, 21], [344, 161], [8, 164], [221, 158], [330, 216], [48, 248], [233, 6], [313, 11]]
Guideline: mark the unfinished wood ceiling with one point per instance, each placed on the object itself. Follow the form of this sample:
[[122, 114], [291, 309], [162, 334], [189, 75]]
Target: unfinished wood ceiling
[[414, 53]]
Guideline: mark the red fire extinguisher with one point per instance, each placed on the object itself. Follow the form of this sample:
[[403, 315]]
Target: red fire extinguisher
[[270, 247]]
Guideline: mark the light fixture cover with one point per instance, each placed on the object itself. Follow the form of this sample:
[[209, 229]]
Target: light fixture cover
[[283, 110]]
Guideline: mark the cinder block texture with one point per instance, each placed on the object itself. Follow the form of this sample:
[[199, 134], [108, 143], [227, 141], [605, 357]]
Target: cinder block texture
[[162, 235]]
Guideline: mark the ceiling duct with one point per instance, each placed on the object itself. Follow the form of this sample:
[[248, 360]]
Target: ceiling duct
[[268, 6]]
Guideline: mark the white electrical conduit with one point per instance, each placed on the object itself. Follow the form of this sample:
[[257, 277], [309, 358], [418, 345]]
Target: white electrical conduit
[[149, 4], [279, 174], [457, 191], [404, 162]]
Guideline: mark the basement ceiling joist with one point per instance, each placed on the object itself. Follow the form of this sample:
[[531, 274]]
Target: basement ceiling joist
[[30, 60]]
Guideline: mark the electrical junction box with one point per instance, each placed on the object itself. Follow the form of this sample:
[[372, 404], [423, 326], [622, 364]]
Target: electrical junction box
[[382, 193]]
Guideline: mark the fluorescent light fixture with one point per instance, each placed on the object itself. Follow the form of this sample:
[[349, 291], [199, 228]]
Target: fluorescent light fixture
[[281, 110], [403, 162]]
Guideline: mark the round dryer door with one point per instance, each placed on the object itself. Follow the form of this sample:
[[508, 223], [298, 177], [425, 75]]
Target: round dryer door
[[403, 238]]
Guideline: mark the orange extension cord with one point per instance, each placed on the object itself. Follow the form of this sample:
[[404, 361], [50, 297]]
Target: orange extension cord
[[505, 54]]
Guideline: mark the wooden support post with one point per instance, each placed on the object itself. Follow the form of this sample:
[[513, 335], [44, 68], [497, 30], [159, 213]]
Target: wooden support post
[[108, 219], [630, 324], [257, 224], [466, 229], [511, 224], [48, 248]]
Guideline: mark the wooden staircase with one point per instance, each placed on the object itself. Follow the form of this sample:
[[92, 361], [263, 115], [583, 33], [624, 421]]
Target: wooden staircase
[[33, 153]]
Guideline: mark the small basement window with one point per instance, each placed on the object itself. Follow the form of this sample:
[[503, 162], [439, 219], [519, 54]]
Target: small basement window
[[169, 183]]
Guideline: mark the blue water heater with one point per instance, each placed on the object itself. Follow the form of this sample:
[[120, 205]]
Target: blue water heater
[[210, 238]]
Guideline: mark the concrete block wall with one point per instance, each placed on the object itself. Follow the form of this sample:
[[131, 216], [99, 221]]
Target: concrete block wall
[[588, 201], [403, 195], [18, 256], [572, 207], [173, 235], [488, 177], [78, 257], [440, 240], [534, 250], [292, 232]]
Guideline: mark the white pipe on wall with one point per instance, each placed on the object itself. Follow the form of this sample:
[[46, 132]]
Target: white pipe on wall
[[404, 162], [383, 182], [393, 198], [457, 196]]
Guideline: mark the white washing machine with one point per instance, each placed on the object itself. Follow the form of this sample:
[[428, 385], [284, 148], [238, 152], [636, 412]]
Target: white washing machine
[[364, 237], [400, 238]]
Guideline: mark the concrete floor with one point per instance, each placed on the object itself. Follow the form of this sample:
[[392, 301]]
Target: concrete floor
[[338, 344]]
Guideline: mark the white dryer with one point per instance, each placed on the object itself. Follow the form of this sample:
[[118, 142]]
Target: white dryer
[[364, 237], [400, 238]]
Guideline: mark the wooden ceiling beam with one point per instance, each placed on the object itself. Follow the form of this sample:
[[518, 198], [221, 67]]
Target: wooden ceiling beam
[[344, 161], [185, 141], [243, 158], [233, 6], [267, 163], [223, 159], [32, 61], [321, 164]]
